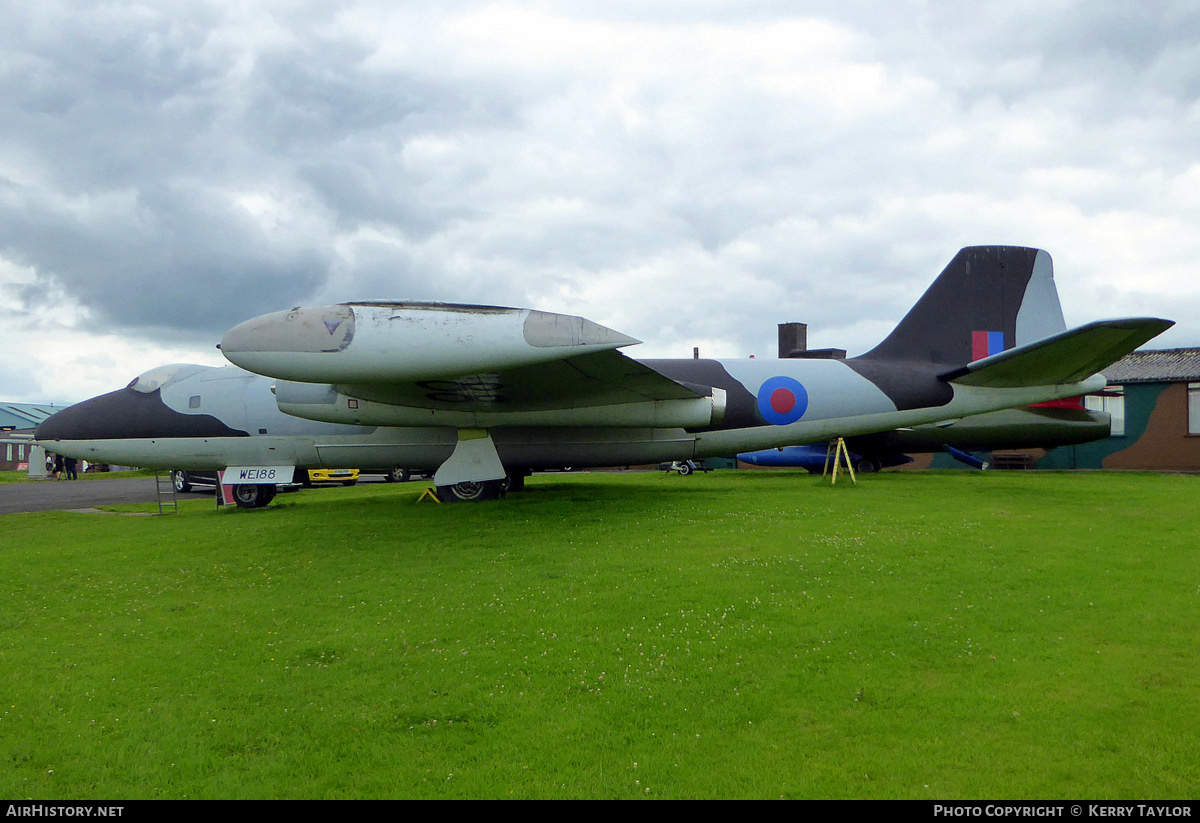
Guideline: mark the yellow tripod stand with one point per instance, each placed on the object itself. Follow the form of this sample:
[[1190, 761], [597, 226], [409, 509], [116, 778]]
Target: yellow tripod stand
[[838, 452]]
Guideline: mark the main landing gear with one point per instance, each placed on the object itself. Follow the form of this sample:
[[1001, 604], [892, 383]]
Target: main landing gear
[[470, 490], [474, 471]]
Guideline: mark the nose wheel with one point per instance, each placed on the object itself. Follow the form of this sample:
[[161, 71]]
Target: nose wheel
[[253, 497]]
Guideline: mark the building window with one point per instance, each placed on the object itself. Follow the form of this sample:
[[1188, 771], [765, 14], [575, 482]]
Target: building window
[[1193, 408], [1113, 402]]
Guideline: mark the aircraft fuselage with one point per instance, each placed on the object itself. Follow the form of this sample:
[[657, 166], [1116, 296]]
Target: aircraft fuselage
[[215, 417]]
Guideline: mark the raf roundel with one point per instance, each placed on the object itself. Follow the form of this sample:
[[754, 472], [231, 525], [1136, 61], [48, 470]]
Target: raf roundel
[[782, 400]]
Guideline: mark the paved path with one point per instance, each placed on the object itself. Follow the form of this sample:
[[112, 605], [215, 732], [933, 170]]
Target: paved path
[[53, 495], [57, 495]]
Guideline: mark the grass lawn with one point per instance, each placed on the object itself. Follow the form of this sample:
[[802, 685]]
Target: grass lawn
[[736, 634]]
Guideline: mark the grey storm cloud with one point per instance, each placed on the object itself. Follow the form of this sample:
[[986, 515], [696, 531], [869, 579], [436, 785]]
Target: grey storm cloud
[[160, 256]]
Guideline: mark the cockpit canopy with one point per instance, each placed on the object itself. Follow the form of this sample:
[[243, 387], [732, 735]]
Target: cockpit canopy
[[160, 376]]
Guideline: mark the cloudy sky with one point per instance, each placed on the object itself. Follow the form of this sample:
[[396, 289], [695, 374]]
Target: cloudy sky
[[688, 172]]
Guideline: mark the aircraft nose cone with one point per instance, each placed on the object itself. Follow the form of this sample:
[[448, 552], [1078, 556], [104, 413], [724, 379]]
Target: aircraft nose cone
[[68, 424], [106, 417], [126, 414], [315, 330]]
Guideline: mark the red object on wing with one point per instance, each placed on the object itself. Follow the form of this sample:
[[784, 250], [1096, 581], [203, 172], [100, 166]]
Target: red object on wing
[[1075, 402]]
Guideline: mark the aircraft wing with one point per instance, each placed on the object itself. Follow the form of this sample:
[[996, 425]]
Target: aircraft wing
[[407, 364], [1067, 357], [601, 378]]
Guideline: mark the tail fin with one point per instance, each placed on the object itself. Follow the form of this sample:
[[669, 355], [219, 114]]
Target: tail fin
[[988, 299]]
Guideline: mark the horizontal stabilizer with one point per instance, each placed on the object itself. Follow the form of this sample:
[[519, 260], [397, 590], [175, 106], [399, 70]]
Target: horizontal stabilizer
[[1067, 357]]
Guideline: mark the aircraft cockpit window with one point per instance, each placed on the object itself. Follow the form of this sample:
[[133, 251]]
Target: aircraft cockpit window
[[156, 378]]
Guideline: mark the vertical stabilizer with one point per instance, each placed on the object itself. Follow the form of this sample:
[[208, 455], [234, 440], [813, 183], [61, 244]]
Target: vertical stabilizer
[[988, 299]]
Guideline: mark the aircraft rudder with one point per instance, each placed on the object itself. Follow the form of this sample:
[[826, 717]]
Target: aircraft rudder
[[986, 300]]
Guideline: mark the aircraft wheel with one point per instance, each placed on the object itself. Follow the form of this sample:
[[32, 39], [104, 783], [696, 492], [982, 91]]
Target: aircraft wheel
[[180, 481], [471, 491], [397, 476], [685, 469], [515, 482], [868, 465], [253, 497]]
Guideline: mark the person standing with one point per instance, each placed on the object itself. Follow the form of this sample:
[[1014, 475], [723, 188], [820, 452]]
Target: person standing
[[69, 463]]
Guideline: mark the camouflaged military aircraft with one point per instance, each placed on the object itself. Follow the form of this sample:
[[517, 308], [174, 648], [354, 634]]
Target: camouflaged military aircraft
[[484, 395]]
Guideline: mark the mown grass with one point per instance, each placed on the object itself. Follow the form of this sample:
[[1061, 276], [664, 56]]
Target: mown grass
[[739, 634]]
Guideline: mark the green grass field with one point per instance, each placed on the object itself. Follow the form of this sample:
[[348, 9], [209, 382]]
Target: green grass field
[[738, 634]]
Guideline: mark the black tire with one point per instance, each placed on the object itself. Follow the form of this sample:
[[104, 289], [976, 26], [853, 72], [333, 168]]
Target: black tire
[[685, 469], [397, 476], [349, 482], [471, 491], [180, 481], [253, 497], [515, 482], [868, 465]]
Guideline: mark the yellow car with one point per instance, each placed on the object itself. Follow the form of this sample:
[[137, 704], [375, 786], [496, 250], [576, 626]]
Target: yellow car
[[347, 477]]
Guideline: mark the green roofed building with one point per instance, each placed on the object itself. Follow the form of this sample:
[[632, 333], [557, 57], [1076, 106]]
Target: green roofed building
[[17, 419], [23, 416]]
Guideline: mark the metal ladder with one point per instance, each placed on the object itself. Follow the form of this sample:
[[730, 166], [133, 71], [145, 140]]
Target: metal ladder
[[167, 502]]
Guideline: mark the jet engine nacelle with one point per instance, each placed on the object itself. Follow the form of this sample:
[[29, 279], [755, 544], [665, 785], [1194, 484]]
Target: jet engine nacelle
[[327, 404], [385, 342]]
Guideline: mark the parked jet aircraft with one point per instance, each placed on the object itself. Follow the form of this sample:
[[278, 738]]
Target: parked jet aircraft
[[481, 393]]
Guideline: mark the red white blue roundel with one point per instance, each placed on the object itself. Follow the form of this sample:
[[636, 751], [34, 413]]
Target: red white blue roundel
[[782, 400]]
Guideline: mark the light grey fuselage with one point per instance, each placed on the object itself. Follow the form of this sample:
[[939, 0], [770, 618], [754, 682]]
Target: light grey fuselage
[[208, 418]]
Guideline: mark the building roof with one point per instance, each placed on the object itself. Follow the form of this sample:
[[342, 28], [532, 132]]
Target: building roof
[[24, 415], [1156, 366]]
